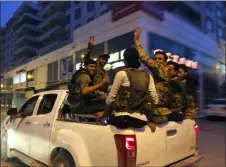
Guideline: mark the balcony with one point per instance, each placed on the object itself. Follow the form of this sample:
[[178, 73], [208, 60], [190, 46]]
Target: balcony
[[51, 7], [28, 7], [26, 28], [46, 49], [58, 17], [25, 38], [27, 50], [53, 46], [28, 17], [58, 30]]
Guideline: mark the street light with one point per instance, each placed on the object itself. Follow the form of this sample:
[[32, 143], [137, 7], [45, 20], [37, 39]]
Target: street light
[[2, 85]]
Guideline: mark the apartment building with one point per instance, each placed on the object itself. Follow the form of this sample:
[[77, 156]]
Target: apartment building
[[2, 50], [52, 24], [20, 36], [61, 18]]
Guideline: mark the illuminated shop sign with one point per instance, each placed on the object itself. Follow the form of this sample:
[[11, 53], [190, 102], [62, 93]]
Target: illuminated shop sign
[[189, 63], [112, 61]]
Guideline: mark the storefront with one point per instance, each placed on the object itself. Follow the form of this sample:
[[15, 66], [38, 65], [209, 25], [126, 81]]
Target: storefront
[[115, 47], [19, 86]]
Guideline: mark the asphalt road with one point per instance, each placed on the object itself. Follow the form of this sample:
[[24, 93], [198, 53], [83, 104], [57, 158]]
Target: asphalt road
[[211, 145]]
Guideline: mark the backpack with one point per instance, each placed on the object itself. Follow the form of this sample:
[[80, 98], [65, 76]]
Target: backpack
[[72, 87]]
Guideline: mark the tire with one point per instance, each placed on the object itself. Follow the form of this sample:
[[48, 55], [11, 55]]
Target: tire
[[63, 160], [4, 146]]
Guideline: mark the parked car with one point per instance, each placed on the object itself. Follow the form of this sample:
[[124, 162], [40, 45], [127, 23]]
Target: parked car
[[216, 108], [43, 132]]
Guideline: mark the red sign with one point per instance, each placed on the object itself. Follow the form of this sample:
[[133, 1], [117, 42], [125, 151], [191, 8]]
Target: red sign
[[125, 9], [130, 7]]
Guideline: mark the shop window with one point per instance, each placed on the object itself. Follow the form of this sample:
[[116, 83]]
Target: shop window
[[120, 43], [78, 14], [47, 104], [66, 67], [28, 108], [16, 79], [52, 71], [158, 42], [90, 6], [22, 77]]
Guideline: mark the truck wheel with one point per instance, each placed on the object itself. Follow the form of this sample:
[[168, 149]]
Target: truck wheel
[[4, 146], [63, 160]]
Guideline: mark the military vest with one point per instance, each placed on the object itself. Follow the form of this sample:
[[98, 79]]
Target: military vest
[[73, 88], [98, 77], [134, 97]]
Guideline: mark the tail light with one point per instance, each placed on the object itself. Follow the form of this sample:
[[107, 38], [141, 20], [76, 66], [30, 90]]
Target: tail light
[[196, 129], [126, 150]]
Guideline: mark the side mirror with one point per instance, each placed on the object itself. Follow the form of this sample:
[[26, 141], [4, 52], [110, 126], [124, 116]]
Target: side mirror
[[12, 111]]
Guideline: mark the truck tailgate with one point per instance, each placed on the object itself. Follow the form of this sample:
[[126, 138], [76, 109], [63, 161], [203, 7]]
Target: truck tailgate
[[180, 140], [169, 143]]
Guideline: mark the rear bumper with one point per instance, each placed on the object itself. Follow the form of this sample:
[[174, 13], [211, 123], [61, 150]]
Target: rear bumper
[[188, 162]]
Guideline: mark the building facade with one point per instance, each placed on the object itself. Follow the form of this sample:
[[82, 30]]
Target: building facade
[[113, 31], [113, 34]]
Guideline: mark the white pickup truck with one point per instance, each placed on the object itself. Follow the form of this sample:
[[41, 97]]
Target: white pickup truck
[[45, 135]]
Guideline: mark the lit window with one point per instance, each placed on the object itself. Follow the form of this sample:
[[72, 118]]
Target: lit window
[[219, 13], [209, 24], [16, 79], [220, 32], [23, 77], [66, 67]]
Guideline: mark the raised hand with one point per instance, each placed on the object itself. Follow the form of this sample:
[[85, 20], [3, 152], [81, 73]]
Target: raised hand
[[91, 41], [137, 34]]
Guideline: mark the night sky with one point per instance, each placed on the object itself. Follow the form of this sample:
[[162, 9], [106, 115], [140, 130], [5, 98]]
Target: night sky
[[7, 10]]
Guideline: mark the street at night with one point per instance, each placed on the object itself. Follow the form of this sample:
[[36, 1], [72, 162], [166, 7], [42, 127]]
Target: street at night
[[113, 83]]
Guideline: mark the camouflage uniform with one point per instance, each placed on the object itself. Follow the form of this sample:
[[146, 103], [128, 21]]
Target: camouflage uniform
[[99, 76], [83, 104], [191, 110], [160, 75]]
